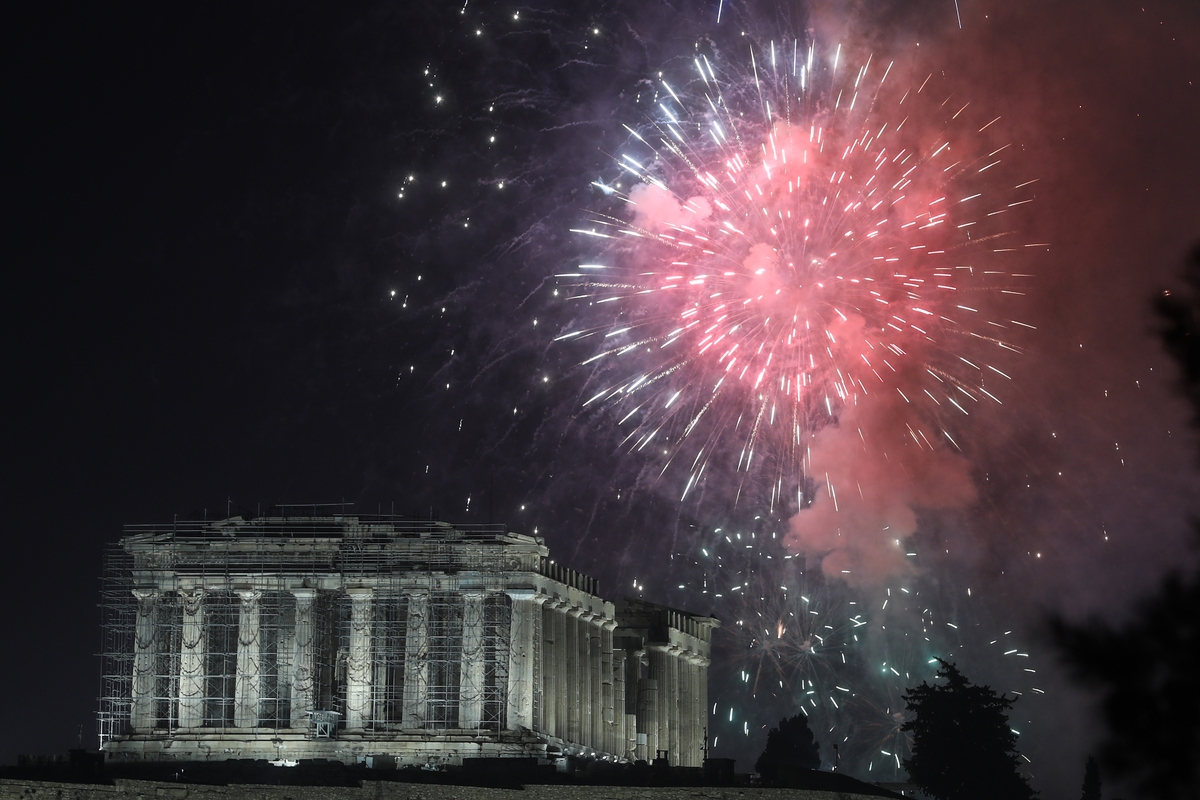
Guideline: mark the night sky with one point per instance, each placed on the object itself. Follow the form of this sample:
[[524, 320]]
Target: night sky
[[239, 281]]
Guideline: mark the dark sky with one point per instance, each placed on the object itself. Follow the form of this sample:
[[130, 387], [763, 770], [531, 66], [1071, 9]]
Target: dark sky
[[209, 234]]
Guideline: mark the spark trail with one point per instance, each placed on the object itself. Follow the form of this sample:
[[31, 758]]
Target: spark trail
[[794, 641]]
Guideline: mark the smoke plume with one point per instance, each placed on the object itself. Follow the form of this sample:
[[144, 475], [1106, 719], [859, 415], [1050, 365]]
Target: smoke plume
[[870, 486]]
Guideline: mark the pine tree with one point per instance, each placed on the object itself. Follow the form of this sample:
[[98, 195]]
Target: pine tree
[[963, 747], [789, 745], [1149, 703]]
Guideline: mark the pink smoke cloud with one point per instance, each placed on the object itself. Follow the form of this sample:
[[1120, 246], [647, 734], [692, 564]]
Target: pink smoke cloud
[[761, 258], [873, 474], [656, 208]]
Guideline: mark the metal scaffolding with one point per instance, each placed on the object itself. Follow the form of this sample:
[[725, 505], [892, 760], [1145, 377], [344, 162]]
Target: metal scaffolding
[[204, 626], [329, 636]]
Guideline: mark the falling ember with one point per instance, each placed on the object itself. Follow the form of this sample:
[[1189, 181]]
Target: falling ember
[[798, 241]]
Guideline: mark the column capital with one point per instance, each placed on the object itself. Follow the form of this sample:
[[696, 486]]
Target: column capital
[[360, 592], [249, 596], [609, 624], [474, 594], [526, 594], [146, 594], [413, 591], [192, 600], [303, 593]]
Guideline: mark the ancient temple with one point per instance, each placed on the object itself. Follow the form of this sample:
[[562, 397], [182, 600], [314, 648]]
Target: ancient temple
[[387, 640]]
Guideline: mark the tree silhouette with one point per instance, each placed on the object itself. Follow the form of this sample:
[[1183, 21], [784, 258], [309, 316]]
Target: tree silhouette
[[1148, 699], [1091, 780], [789, 745], [963, 747]]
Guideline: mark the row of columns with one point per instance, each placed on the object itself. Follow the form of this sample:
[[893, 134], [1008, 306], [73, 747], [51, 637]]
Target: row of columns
[[565, 677], [580, 688], [361, 676], [192, 654], [672, 703], [596, 697]]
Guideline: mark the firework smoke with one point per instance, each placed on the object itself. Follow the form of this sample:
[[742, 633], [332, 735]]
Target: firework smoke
[[861, 534]]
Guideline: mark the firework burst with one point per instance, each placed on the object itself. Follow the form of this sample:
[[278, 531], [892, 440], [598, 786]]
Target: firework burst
[[794, 635], [903, 639], [790, 239], [788, 644]]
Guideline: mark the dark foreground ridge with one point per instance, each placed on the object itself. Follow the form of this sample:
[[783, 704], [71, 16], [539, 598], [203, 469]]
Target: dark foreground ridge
[[84, 778]]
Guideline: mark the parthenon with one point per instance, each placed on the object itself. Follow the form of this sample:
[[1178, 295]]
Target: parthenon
[[387, 640]]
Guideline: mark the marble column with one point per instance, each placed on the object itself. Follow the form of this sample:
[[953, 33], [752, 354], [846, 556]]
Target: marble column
[[539, 655], [619, 735], [549, 668], [523, 672], [141, 712], [358, 661], [699, 718], [416, 659], [687, 713], [669, 696], [247, 684], [561, 622], [596, 679], [584, 676], [571, 674], [702, 701], [635, 722], [662, 708], [302, 659], [608, 742], [470, 699], [648, 717], [698, 681], [191, 660]]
